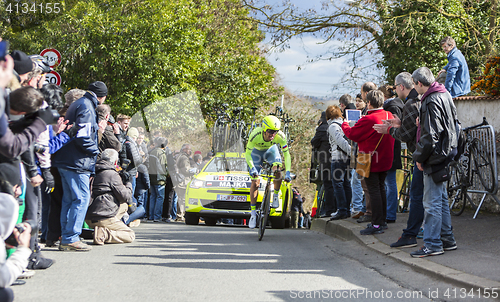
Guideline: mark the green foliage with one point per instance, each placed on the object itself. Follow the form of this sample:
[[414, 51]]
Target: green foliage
[[146, 51], [414, 29]]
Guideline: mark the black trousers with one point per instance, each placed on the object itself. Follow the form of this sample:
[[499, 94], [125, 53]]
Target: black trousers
[[32, 204], [6, 294], [378, 199], [54, 222], [169, 196], [330, 205]]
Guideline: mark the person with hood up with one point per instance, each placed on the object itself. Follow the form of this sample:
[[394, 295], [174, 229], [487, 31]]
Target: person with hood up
[[111, 199]]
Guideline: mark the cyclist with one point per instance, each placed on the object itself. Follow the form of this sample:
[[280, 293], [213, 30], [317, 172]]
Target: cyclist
[[262, 145]]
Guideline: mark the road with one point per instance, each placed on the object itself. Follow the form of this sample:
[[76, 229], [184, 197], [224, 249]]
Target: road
[[175, 262]]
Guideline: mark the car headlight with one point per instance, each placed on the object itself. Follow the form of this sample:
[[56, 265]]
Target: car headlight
[[193, 201], [196, 184]]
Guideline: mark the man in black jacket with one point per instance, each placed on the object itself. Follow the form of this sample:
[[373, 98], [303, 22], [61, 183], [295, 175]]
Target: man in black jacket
[[111, 199], [435, 148], [406, 131]]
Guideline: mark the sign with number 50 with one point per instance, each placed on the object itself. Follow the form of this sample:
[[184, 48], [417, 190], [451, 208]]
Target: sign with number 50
[[53, 78]]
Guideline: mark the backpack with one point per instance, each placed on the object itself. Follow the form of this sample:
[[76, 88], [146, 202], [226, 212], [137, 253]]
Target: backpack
[[347, 140], [315, 171], [173, 171]]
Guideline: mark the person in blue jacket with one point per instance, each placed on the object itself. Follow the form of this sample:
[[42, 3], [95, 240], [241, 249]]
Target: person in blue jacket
[[457, 71], [75, 162]]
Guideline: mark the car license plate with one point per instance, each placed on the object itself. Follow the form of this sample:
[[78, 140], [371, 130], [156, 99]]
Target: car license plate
[[237, 198]]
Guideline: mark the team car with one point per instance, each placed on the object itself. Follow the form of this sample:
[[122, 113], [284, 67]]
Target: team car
[[222, 190]]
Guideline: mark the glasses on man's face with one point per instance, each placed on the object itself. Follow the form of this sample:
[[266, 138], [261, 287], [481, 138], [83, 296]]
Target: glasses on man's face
[[271, 132]]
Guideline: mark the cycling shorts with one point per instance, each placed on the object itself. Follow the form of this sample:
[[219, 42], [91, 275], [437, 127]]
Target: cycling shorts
[[271, 155]]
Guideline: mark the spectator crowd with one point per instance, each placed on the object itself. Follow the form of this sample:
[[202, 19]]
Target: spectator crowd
[[357, 158], [70, 171]]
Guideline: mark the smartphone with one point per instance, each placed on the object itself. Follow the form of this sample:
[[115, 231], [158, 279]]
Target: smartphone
[[4, 48]]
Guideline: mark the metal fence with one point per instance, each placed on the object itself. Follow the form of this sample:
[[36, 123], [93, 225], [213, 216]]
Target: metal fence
[[486, 134]]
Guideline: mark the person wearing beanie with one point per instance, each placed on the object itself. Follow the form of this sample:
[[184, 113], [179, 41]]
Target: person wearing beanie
[[99, 88], [133, 133], [23, 65], [75, 162]]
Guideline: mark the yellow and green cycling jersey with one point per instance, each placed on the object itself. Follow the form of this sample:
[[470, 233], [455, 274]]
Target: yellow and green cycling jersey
[[256, 141]]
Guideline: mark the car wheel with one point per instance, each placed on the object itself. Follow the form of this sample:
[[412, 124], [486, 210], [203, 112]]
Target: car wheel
[[210, 221], [191, 219], [278, 222]]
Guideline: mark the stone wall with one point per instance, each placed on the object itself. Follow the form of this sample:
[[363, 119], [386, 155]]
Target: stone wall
[[471, 110]]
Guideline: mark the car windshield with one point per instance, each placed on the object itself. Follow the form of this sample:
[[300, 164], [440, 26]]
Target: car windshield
[[232, 164]]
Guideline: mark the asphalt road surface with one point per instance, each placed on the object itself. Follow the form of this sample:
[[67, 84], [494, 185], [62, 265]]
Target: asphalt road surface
[[176, 262]]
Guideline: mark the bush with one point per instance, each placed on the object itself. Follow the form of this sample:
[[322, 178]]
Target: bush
[[489, 82]]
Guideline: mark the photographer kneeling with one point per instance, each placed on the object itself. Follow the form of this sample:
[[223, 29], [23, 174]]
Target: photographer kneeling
[[111, 199]]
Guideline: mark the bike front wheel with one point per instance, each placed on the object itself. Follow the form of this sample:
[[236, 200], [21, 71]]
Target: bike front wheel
[[456, 189], [482, 165], [265, 208]]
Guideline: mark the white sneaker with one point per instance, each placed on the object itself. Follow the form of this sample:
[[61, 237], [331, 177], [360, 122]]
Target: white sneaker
[[276, 201], [27, 273], [253, 221]]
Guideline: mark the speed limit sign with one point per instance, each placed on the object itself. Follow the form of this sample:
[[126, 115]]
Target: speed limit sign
[[52, 55], [53, 78]]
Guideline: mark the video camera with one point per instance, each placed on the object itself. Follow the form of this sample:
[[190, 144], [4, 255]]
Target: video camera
[[39, 148], [12, 241], [49, 116], [125, 164]]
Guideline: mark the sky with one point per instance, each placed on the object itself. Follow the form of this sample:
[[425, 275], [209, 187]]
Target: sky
[[313, 79]]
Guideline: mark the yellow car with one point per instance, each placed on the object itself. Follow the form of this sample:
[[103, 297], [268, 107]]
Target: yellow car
[[222, 190]]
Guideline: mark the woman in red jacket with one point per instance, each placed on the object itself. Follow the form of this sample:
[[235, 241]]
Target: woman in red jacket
[[382, 156]]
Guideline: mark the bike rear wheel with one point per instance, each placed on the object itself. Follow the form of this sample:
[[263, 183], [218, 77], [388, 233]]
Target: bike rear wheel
[[219, 136], [265, 208], [482, 165], [456, 189], [320, 203], [404, 193]]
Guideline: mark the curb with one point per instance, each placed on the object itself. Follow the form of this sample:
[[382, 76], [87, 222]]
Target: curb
[[348, 231]]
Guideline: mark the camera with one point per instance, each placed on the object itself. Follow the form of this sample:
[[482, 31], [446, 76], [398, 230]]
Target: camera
[[125, 163], [55, 115], [12, 241], [111, 120], [49, 116], [39, 148]]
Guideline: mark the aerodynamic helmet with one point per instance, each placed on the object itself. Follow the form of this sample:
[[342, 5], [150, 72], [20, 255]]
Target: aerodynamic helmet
[[271, 122]]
